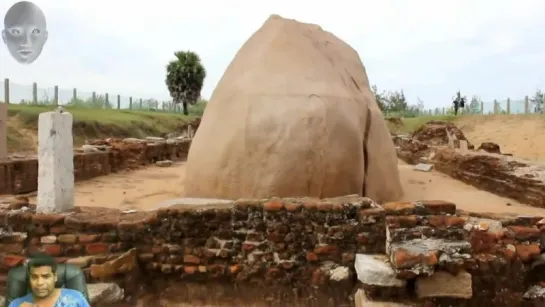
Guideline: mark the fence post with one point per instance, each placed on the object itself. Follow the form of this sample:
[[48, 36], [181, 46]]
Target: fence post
[[508, 105], [118, 102], [3, 131], [130, 103], [6, 90], [94, 97], [35, 93], [107, 100], [495, 106], [526, 105], [482, 107], [74, 95], [140, 103], [56, 95]]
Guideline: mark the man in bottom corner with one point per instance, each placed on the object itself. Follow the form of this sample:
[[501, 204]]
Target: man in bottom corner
[[42, 273]]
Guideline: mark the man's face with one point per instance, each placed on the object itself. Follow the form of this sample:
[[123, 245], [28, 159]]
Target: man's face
[[25, 34], [42, 281]]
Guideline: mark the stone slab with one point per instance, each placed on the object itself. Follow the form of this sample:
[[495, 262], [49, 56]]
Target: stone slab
[[104, 293], [375, 270], [445, 284], [361, 300], [55, 162], [422, 167]]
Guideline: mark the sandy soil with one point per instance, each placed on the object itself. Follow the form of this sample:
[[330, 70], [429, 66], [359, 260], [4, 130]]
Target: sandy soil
[[146, 188], [520, 135], [140, 189], [437, 186]]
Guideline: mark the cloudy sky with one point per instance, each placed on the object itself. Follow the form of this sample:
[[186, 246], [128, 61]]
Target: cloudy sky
[[429, 48]]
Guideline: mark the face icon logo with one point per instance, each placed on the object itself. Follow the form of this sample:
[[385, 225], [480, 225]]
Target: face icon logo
[[25, 31]]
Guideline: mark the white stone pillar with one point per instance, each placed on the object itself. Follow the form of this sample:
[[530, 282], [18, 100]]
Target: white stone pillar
[[55, 162], [3, 131]]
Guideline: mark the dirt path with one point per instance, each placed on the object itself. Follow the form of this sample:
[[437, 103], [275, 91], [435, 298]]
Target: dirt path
[[434, 185], [144, 189], [520, 135], [141, 189]]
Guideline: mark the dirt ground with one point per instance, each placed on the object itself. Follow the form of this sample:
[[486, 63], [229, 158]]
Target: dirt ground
[[521, 135], [144, 189]]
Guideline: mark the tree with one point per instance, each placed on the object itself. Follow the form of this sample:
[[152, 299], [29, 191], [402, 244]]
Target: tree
[[185, 78], [419, 104], [474, 106], [397, 101], [537, 101], [380, 98]]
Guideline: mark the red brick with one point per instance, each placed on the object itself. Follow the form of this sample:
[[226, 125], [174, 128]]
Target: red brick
[[326, 250], [290, 207], [405, 259], [11, 261], [438, 206], [54, 250], [401, 221], [483, 242], [524, 233], [526, 253], [73, 250], [310, 205], [273, 205], [401, 207], [67, 239], [87, 238], [371, 212], [48, 219], [446, 221], [312, 257], [59, 229], [337, 207], [191, 259], [11, 248], [97, 248], [324, 207]]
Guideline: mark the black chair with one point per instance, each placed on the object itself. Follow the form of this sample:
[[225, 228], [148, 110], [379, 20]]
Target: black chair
[[68, 276]]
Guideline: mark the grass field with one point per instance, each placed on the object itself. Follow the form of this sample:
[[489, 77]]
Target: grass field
[[412, 123], [90, 123]]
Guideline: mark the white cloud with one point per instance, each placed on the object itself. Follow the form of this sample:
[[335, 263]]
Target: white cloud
[[428, 48]]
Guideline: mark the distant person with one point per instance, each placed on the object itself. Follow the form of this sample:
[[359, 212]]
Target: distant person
[[42, 276], [456, 104], [25, 31]]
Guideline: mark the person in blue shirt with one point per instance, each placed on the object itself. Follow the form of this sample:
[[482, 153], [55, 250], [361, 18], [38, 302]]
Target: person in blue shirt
[[42, 273]]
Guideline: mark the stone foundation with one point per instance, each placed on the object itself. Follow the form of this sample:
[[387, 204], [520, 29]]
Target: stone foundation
[[19, 176], [290, 252]]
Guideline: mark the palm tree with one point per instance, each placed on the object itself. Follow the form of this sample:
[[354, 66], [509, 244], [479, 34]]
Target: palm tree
[[185, 78]]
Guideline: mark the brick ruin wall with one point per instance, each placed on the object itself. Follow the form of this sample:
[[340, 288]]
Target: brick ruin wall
[[283, 252], [20, 176]]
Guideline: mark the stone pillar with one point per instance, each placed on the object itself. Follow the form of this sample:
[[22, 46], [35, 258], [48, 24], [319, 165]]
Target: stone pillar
[[3, 131], [55, 162]]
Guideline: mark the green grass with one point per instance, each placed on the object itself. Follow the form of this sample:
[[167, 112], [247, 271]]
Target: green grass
[[412, 123], [91, 123]]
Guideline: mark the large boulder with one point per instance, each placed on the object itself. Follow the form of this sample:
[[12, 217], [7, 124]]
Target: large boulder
[[293, 115]]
